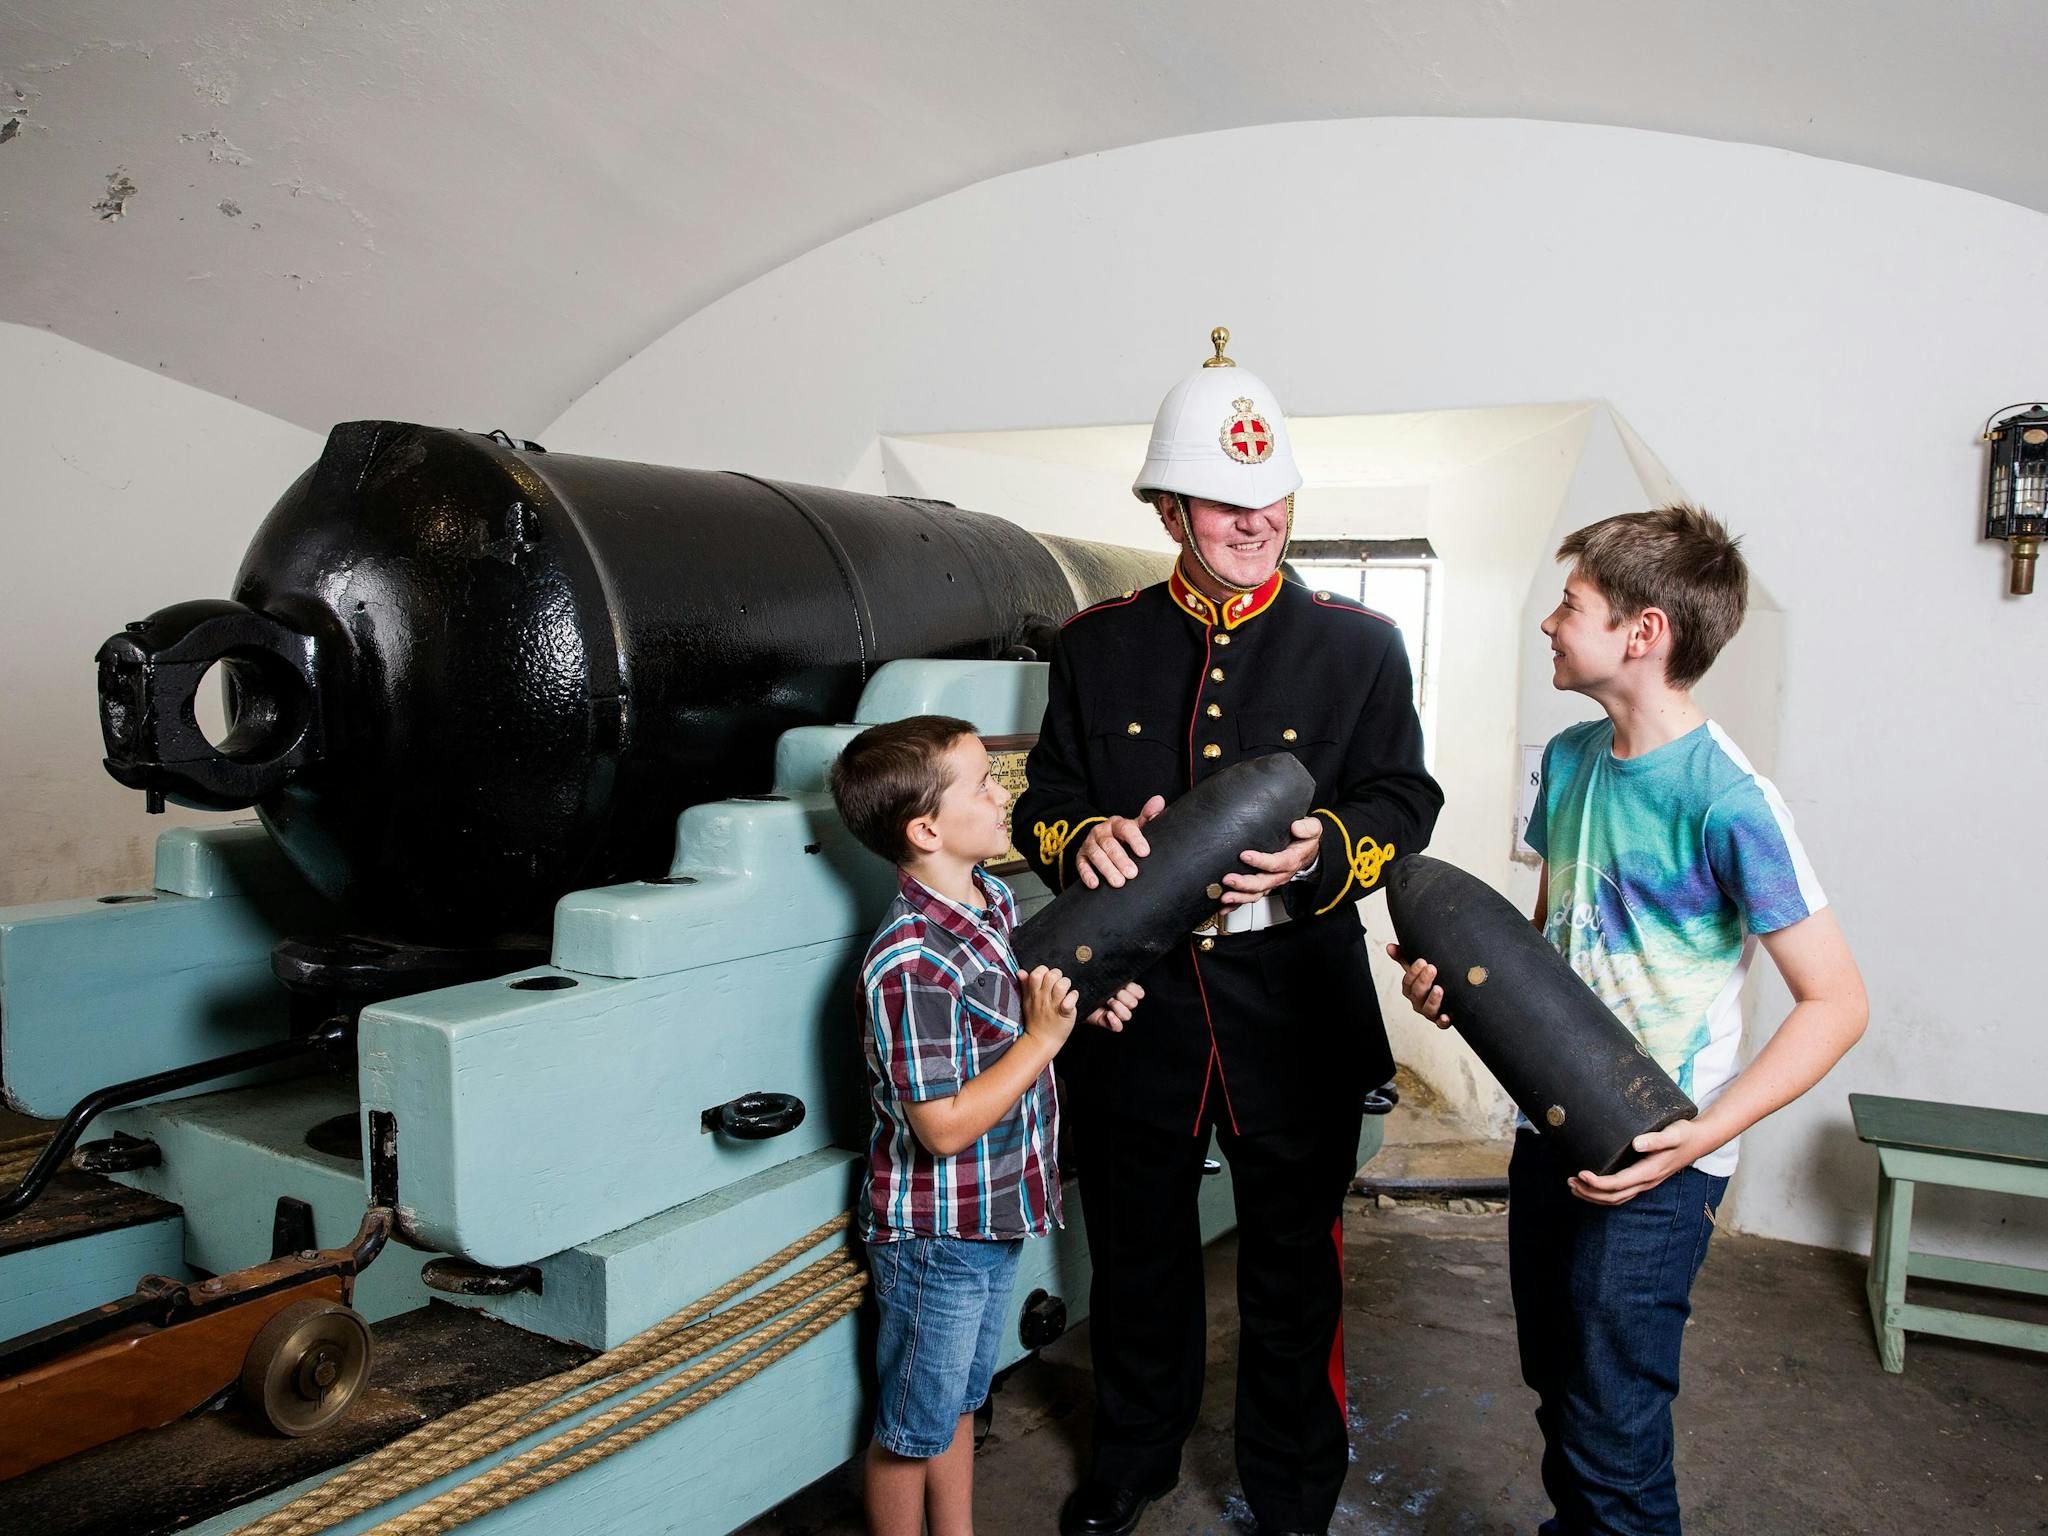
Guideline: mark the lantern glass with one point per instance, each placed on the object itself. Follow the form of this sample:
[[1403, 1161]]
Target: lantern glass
[[2016, 500]]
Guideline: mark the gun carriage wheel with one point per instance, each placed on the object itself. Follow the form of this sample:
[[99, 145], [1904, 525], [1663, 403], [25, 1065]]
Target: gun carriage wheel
[[306, 1366]]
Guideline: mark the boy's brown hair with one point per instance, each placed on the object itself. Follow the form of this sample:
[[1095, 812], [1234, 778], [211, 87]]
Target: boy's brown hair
[[889, 775], [1677, 558]]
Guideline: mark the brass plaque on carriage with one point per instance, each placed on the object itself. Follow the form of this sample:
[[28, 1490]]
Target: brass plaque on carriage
[[1006, 756]]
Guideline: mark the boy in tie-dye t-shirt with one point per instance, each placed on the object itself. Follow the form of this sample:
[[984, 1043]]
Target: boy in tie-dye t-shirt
[[1667, 862], [1663, 869]]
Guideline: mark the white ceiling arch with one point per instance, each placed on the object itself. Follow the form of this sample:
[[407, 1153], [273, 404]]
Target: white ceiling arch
[[470, 210]]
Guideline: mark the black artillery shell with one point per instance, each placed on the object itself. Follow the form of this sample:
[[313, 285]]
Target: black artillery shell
[[1573, 1068], [1110, 935]]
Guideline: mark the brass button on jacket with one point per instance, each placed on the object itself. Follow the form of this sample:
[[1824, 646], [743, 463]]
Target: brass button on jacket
[[1214, 711], [1212, 750], [1223, 639], [1134, 729], [1289, 734], [1215, 674]]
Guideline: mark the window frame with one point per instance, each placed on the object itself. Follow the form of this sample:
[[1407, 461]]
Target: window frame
[[1308, 555]]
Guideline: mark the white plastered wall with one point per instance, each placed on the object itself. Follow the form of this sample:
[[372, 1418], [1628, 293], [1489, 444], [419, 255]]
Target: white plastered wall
[[1806, 345], [125, 492]]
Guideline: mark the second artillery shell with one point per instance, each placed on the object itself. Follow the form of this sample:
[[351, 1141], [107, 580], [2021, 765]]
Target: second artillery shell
[[1569, 1064]]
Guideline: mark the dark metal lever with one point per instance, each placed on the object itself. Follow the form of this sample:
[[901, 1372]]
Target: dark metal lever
[[334, 1033]]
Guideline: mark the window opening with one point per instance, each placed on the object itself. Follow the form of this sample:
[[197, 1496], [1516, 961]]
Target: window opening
[[1396, 577]]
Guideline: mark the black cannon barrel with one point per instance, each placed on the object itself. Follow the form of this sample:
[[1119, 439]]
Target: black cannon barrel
[[1568, 1063], [465, 675], [1104, 937]]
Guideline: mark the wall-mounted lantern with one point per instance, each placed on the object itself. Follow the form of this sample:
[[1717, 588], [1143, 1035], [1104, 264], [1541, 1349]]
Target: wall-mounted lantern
[[2016, 494]]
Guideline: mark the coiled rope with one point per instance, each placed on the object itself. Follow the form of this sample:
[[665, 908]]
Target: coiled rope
[[17, 1157], [749, 1337]]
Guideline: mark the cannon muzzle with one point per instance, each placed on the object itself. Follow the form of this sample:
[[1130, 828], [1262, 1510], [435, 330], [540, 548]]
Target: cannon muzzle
[[150, 676]]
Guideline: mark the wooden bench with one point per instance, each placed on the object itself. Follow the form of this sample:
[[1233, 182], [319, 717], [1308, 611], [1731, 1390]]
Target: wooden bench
[[1918, 1142]]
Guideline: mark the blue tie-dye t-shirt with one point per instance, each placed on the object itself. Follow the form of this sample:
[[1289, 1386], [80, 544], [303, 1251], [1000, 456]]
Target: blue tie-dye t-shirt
[[1663, 868]]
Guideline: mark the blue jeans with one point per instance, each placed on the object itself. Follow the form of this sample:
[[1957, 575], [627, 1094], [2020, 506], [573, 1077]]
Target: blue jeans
[[1601, 1296], [943, 1304]]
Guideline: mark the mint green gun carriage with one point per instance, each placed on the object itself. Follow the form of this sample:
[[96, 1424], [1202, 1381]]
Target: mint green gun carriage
[[557, 1118]]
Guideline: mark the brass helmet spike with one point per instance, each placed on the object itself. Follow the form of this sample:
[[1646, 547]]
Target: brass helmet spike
[[1219, 339]]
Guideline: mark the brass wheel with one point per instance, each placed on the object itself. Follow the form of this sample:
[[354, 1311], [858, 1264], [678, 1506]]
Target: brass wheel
[[306, 1365]]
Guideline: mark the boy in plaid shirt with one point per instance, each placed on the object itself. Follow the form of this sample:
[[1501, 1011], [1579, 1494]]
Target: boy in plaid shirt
[[962, 1164]]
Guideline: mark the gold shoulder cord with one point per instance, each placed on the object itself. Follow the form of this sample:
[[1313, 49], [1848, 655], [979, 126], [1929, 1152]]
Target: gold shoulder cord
[[1053, 841], [1365, 859]]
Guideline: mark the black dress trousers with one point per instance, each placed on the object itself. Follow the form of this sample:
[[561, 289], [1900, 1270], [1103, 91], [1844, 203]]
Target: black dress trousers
[[1147, 1309]]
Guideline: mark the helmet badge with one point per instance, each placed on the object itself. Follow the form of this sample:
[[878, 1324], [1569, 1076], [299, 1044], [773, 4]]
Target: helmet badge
[[1246, 436]]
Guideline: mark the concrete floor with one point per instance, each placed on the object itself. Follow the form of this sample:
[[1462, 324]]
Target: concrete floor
[[1786, 1424]]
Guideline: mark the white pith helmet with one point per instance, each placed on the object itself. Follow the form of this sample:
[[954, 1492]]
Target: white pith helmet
[[1219, 435]]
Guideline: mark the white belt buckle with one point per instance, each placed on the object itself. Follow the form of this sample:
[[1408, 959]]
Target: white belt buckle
[[1269, 911]]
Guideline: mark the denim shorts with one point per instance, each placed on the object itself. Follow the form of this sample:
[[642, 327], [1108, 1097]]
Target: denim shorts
[[944, 1301]]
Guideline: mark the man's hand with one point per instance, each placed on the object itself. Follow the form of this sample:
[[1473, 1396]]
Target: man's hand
[[1418, 985], [1116, 1013], [1664, 1152], [1048, 1006], [1275, 869], [1112, 848]]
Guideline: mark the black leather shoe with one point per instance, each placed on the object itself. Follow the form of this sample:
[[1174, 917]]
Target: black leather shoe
[[1103, 1509]]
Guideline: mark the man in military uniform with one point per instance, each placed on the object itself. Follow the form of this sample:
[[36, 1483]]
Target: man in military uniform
[[1264, 1024]]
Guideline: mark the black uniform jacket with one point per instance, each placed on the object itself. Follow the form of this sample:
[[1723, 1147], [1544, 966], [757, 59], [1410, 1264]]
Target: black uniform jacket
[[1150, 694]]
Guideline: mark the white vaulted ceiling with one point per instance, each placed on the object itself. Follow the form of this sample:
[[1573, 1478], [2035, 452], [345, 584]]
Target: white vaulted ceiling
[[468, 211]]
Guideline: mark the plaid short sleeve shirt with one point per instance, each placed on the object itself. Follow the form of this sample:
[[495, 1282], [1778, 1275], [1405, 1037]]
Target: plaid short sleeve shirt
[[941, 1004]]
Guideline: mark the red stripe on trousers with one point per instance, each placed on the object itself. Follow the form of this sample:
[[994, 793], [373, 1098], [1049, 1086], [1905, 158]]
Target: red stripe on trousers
[[1337, 1343], [1215, 1054]]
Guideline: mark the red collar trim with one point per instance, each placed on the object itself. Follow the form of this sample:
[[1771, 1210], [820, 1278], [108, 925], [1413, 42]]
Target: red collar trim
[[1187, 599], [1239, 609]]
